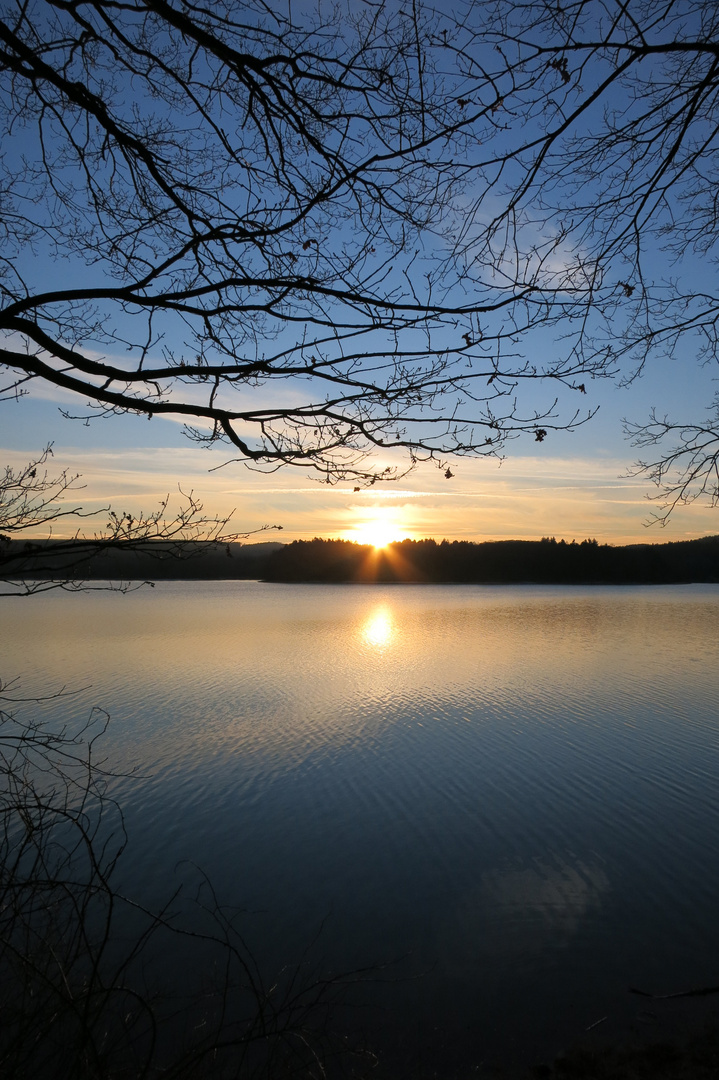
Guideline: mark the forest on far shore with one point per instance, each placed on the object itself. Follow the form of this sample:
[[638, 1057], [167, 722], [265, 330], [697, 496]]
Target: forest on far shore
[[546, 561]]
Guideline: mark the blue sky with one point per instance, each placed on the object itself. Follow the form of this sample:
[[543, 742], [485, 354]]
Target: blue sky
[[573, 484]]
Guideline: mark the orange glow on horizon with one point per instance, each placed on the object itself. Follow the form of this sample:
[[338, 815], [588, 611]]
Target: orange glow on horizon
[[380, 527]]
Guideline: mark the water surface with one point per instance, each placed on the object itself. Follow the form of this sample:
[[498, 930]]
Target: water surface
[[515, 789]]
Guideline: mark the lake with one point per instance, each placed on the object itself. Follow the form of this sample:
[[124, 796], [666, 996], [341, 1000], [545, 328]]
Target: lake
[[510, 792]]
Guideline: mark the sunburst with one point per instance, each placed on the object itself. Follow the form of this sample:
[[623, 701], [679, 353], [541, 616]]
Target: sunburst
[[378, 529]]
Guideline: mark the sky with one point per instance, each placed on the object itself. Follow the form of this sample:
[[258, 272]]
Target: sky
[[574, 485]]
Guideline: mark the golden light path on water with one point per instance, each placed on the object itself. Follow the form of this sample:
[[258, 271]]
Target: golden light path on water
[[379, 630], [512, 787]]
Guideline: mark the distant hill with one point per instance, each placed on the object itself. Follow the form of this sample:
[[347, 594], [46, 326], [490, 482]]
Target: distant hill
[[494, 562], [505, 561]]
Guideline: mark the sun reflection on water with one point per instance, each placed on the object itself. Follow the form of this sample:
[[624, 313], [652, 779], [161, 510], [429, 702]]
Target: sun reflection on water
[[378, 630]]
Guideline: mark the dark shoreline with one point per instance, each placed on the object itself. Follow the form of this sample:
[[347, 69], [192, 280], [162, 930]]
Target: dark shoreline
[[318, 561], [503, 562]]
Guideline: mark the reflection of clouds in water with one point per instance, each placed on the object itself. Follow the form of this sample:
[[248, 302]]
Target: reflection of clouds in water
[[378, 629], [518, 915]]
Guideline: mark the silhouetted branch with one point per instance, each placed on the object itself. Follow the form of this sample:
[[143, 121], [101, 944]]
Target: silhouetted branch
[[31, 498], [79, 992], [351, 239], [682, 472], [593, 175], [266, 199]]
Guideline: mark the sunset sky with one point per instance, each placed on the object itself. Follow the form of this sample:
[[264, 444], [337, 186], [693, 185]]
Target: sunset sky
[[573, 485], [569, 484]]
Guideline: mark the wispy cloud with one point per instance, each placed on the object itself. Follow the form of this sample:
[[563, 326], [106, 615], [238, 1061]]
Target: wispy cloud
[[525, 497]]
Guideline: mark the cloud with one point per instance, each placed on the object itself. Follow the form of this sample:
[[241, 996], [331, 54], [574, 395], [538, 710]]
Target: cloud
[[527, 497]]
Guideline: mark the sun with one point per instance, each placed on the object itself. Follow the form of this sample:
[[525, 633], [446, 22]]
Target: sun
[[379, 528], [377, 533]]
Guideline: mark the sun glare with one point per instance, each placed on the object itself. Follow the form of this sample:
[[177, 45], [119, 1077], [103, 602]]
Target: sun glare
[[379, 530], [376, 534], [378, 629]]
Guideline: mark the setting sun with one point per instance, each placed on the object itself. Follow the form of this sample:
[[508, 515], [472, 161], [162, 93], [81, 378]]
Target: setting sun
[[376, 533], [379, 528]]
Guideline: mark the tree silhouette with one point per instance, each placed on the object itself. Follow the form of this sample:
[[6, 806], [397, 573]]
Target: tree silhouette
[[246, 216], [32, 498], [315, 234], [594, 189], [83, 994]]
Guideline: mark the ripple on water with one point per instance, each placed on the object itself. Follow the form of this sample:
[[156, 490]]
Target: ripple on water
[[517, 787]]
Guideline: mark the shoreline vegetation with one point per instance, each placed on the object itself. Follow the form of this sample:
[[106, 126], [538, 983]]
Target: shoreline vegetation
[[501, 562]]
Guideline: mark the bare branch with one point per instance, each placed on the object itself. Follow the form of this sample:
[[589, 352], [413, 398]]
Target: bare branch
[[32, 499], [218, 207]]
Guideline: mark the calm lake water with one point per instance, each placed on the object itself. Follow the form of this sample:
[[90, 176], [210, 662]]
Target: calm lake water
[[516, 790]]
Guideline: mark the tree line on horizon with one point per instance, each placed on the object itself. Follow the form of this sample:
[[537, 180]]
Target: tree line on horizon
[[545, 561]]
